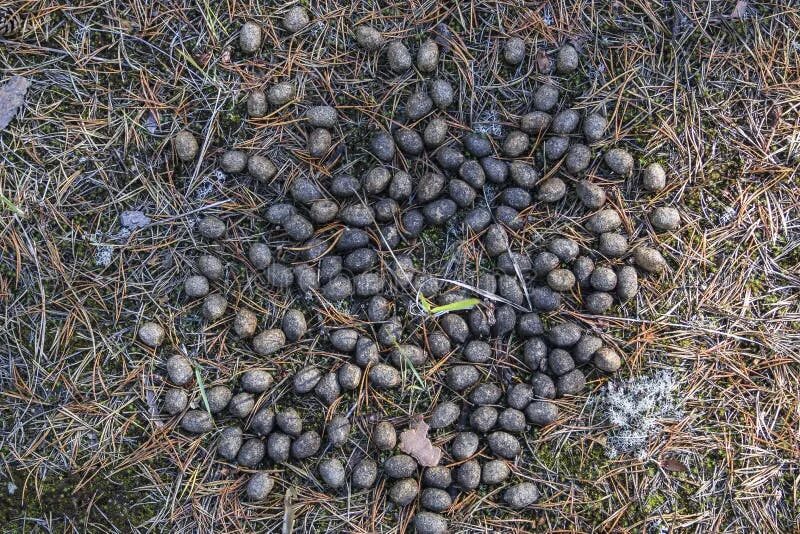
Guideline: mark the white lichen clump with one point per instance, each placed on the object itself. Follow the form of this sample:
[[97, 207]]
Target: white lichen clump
[[103, 255], [210, 183], [489, 123], [636, 408], [103, 252]]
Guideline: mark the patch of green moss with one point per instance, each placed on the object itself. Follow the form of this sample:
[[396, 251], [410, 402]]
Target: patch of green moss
[[113, 502], [434, 240]]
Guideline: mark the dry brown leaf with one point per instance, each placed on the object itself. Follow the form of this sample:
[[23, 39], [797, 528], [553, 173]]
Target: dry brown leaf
[[12, 96], [740, 10], [415, 442], [673, 465], [542, 61]]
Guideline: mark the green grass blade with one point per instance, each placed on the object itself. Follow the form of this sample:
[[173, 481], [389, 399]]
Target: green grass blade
[[212, 18], [10, 205], [414, 371], [191, 60], [408, 363], [425, 303], [202, 386], [466, 304]]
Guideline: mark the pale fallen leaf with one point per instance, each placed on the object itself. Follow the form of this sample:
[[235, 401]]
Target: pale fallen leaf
[[12, 96], [151, 122], [415, 442], [288, 511], [740, 10], [542, 61], [133, 219]]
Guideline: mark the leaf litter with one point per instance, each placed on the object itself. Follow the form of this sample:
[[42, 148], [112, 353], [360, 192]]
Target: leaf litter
[[12, 96]]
